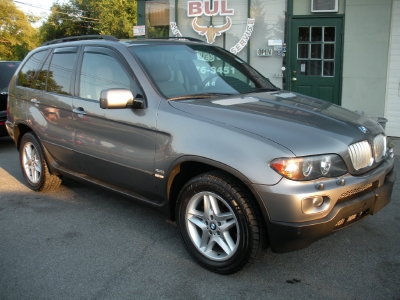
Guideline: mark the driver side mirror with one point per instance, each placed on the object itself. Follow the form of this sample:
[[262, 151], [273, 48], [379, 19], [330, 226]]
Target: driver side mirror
[[119, 98]]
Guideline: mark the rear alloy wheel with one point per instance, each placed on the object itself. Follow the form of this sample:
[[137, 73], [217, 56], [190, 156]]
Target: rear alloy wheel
[[34, 166], [219, 224]]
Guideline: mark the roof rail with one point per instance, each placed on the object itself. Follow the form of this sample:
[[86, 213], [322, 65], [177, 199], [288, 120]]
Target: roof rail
[[81, 37], [177, 38]]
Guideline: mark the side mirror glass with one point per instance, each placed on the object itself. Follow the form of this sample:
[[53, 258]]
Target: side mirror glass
[[119, 98]]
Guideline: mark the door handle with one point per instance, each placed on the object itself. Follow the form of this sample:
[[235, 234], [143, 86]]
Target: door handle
[[79, 111], [35, 100], [294, 79]]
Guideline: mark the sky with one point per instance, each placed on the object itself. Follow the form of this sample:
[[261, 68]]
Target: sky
[[36, 7]]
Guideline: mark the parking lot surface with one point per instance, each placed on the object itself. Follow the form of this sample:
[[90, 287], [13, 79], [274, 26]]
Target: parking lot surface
[[82, 242]]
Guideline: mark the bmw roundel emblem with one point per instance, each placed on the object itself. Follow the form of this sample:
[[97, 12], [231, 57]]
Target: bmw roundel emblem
[[363, 129]]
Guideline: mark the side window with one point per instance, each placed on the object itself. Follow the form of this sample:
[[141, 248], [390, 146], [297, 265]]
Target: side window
[[41, 78], [55, 75], [99, 72], [27, 73], [60, 71]]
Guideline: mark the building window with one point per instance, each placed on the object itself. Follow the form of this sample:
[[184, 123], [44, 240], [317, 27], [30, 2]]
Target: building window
[[316, 51], [157, 18]]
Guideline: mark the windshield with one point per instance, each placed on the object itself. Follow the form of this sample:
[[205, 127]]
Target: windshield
[[198, 71]]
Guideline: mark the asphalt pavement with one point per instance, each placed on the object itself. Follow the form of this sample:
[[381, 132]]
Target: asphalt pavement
[[82, 242]]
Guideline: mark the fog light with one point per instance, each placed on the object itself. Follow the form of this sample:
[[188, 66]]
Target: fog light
[[315, 204], [318, 201]]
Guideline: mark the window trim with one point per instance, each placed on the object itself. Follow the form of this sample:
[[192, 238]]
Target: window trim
[[50, 56], [120, 59], [39, 67]]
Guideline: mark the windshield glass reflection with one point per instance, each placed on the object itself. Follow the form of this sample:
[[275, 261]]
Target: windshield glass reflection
[[184, 71]]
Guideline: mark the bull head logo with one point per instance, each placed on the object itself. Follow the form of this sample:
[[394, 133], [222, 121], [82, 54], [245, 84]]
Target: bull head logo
[[211, 31]]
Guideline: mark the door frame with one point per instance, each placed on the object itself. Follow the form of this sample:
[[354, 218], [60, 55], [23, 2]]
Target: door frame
[[289, 37]]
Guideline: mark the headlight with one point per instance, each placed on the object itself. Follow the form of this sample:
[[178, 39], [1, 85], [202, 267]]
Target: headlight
[[310, 167]]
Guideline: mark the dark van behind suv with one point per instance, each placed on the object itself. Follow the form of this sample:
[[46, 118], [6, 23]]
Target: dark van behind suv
[[7, 70], [195, 131]]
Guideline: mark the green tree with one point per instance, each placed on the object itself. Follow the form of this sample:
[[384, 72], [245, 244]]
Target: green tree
[[69, 19], [17, 35], [116, 17], [82, 17]]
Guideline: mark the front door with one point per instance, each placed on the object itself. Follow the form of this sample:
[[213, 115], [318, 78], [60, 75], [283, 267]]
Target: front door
[[114, 146], [315, 61]]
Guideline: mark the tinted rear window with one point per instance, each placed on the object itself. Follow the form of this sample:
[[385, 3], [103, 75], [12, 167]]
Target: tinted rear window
[[26, 75]]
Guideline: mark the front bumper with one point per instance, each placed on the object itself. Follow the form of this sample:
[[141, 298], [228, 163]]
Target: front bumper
[[286, 237]]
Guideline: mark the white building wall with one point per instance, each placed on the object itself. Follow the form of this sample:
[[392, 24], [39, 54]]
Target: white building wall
[[269, 25], [365, 55], [392, 111]]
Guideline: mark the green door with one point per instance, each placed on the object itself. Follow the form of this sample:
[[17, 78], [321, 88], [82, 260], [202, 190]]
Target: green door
[[315, 58]]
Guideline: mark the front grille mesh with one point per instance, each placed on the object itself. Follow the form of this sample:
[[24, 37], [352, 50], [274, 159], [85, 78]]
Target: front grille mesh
[[379, 147], [363, 155], [360, 154], [355, 191]]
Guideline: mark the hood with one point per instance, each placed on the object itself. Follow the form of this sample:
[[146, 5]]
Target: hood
[[304, 125]]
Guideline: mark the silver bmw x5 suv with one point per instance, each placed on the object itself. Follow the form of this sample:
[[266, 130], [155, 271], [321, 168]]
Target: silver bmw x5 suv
[[195, 131]]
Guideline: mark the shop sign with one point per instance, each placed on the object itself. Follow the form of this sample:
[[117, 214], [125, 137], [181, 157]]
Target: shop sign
[[274, 42], [245, 38], [217, 7], [211, 31], [264, 52], [139, 30], [174, 29]]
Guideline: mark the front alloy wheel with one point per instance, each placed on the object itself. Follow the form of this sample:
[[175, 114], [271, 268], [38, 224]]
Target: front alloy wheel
[[219, 223], [212, 226]]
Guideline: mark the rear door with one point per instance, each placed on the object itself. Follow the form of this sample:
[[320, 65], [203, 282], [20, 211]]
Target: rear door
[[115, 146], [50, 101]]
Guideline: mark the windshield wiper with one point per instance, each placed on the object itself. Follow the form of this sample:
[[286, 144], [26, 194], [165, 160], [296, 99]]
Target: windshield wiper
[[256, 90], [199, 96]]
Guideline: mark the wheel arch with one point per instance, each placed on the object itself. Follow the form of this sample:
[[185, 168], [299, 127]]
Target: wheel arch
[[34, 163], [188, 167], [19, 131]]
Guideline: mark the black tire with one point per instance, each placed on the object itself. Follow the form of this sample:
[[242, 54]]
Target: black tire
[[34, 165], [232, 234]]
